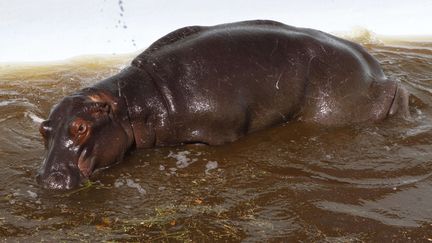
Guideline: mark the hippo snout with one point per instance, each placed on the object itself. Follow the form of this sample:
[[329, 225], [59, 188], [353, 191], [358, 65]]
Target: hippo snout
[[59, 179]]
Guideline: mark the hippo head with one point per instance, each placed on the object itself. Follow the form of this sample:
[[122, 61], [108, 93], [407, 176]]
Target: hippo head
[[83, 133]]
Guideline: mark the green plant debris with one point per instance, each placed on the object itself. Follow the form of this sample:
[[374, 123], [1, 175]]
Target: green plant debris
[[87, 185]]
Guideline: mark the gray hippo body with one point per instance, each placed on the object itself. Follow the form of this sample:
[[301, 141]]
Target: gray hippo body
[[213, 85]]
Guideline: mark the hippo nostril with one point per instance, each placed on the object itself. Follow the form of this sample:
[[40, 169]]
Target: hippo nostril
[[55, 180], [59, 180]]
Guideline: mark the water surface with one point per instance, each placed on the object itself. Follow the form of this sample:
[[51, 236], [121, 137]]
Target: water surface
[[297, 182]]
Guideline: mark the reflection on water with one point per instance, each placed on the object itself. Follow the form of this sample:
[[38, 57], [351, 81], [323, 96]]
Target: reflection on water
[[293, 182]]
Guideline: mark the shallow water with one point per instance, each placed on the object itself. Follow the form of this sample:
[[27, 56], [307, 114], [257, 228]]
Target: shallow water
[[295, 182]]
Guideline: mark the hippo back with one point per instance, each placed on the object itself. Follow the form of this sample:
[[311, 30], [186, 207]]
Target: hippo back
[[228, 80]]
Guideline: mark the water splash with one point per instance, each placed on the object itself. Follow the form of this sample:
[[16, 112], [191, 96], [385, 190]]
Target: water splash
[[361, 35], [36, 119]]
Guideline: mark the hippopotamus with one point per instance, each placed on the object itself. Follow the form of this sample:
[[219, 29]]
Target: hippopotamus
[[213, 85]]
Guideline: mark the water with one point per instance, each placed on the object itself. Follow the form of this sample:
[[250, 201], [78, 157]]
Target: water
[[295, 182]]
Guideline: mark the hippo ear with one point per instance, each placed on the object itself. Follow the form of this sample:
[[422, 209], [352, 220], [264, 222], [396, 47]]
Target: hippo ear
[[104, 98], [98, 109], [44, 129]]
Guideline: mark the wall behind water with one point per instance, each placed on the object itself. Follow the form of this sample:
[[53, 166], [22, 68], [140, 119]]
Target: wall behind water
[[49, 30]]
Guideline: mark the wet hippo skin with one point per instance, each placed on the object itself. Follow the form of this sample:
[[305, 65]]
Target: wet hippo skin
[[213, 85]]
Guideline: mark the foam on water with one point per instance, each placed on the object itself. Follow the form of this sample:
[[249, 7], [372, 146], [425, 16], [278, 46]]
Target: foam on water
[[32, 194], [182, 158], [211, 165], [131, 184]]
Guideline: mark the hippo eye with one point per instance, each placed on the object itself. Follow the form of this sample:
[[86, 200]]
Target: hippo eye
[[79, 128], [82, 128]]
